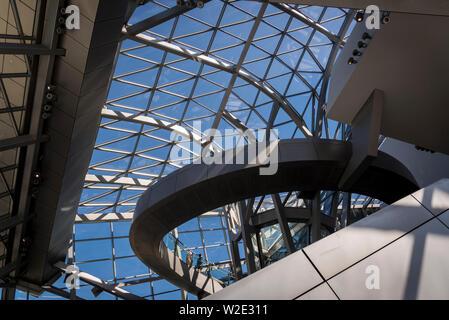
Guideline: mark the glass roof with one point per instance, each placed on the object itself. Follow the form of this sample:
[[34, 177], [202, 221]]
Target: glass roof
[[288, 57]]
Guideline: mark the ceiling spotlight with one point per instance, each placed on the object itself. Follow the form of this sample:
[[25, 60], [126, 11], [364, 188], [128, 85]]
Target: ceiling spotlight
[[352, 61], [356, 53], [359, 16], [361, 44], [36, 178], [366, 36]]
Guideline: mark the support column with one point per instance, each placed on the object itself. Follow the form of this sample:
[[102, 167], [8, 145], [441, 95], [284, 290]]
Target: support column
[[260, 248], [316, 217], [246, 235], [283, 224]]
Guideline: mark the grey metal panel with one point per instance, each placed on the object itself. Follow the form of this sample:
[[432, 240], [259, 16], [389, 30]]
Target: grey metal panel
[[322, 292], [283, 280], [393, 63], [444, 217], [426, 167], [340, 250], [413, 267], [435, 197]]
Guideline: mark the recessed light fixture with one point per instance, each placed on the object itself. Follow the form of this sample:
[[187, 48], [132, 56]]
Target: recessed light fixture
[[352, 61]]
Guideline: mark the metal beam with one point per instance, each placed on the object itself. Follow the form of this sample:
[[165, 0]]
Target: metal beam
[[6, 194], [61, 293], [346, 210], [44, 70], [20, 141], [16, 37], [15, 109], [4, 271], [327, 73], [236, 69], [119, 216], [246, 235], [11, 222], [14, 75], [310, 22], [316, 217], [268, 217], [98, 283], [104, 217], [431, 7], [239, 125], [97, 178]]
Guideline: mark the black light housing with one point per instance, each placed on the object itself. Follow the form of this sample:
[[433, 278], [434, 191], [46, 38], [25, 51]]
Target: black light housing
[[356, 52], [361, 44], [359, 16], [352, 61], [366, 36], [36, 178]]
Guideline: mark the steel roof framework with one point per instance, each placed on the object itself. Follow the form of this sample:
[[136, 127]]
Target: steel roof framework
[[21, 42], [288, 62]]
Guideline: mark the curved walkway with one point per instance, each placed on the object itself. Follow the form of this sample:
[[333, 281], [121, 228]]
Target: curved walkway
[[303, 164]]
